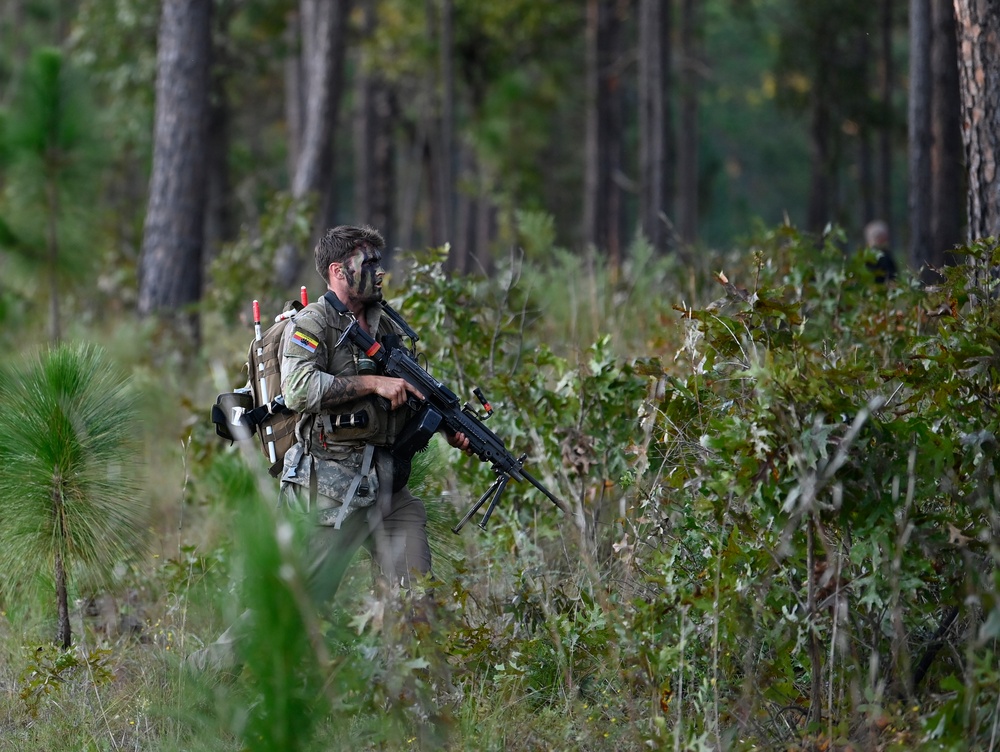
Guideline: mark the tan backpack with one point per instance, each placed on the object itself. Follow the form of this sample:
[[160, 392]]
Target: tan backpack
[[259, 407]]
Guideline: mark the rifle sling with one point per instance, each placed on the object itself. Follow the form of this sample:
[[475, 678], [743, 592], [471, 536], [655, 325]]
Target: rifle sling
[[391, 312], [360, 483]]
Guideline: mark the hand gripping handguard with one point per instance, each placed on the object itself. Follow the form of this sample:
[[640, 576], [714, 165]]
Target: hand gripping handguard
[[441, 409]]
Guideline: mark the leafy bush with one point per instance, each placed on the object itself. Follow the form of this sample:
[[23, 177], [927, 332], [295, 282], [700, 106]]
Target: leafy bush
[[820, 508], [794, 541]]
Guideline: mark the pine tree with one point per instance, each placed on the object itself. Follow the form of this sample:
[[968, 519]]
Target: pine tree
[[51, 152], [68, 485]]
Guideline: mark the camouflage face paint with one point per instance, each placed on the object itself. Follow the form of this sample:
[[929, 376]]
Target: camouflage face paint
[[363, 274]]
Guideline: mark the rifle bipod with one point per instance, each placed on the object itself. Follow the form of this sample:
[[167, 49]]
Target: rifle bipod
[[494, 492]]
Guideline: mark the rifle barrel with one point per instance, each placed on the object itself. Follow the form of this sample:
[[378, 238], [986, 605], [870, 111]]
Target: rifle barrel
[[537, 484]]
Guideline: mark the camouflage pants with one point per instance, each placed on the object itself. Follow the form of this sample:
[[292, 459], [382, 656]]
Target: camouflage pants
[[395, 533]]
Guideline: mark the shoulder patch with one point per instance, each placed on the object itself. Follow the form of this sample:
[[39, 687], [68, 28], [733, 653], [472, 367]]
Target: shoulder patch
[[305, 340]]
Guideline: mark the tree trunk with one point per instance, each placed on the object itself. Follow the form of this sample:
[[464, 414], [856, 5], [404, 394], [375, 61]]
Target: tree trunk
[[885, 97], [374, 165], [323, 24], [436, 127], [16, 43], [447, 146], [602, 205], [979, 74], [52, 241], [486, 221], [920, 132], [432, 178], [687, 135], [410, 179], [655, 131], [946, 129], [866, 170], [464, 242], [171, 270], [294, 88], [64, 630], [821, 189], [219, 226]]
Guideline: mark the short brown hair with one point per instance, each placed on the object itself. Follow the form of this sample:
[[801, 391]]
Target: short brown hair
[[342, 241]]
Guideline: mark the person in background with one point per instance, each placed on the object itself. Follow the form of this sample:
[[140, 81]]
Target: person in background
[[877, 238]]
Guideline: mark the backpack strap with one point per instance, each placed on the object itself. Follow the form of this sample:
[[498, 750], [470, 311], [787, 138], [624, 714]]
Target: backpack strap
[[391, 312], [259, 413]]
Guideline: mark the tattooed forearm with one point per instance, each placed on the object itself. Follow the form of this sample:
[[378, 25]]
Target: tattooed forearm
[[342, 389]]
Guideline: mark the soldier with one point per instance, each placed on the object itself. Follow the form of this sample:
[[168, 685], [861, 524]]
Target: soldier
[[344, 475], [339, 472], [877, 238]]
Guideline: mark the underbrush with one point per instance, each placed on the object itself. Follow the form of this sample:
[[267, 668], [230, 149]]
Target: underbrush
[[783, 534]]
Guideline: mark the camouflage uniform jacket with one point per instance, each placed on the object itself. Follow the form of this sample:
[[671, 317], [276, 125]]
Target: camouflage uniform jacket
[[310, 362]]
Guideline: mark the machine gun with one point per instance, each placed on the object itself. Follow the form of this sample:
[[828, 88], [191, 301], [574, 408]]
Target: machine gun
[[440, 409]]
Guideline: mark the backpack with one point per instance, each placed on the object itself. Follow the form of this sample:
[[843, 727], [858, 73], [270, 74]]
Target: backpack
[[259, 407]]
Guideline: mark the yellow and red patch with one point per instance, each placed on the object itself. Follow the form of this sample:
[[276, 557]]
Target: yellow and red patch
[[302, 339]]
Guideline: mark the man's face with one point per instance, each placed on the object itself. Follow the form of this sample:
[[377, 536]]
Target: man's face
[[363, 274]]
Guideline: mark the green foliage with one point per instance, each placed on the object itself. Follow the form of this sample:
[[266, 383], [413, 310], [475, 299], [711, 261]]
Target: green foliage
[[68, 483], [513, 62], [52, 147], [115, 42], [803, 492], [244, 270], [279, 649], [52, 155], [822, 468], [48, 669]]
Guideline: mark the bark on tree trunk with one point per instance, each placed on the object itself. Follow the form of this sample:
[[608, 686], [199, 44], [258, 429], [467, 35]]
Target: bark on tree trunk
[[436, 127], [447, 147], [822, 149], [171, 269], [866, 171], [885, 96], [464, 242], [601, 210], [218, 208], [979, 74], [946, 129], [486, 220], [410, 179], [18, 43], [655, 132], [52, 241], [323, 25], [294, 88], [920, 132], [64, 631], [687, 145], [374, 165]]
